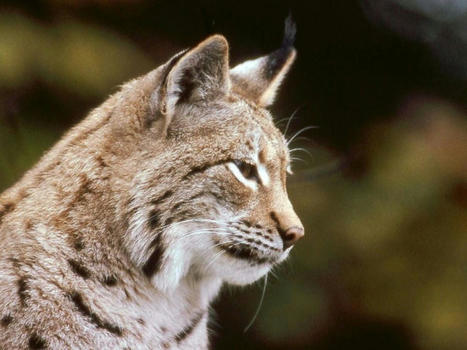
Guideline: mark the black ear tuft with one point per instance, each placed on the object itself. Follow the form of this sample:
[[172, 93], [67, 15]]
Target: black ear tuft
[[278, 58], [290, 29], [259, 79]]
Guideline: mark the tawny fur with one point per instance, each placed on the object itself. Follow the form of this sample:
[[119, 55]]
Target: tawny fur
[[124, 232]]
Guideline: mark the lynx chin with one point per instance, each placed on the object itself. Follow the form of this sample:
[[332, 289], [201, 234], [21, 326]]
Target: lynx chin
[[124, 232]]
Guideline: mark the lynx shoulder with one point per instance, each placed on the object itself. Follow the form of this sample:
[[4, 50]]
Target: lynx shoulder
[[124, 232]]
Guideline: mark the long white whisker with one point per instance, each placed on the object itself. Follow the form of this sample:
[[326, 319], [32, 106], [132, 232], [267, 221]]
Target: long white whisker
[[259, 306], [300, 149], [200, 232], [300, 132], [142, 223], [297, 159], [217, 256], [278, 122], [191, 220], [301, 138], [290, 119], [273, 272]]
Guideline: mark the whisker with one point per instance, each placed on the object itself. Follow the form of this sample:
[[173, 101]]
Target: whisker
[[190, 234], [217, 256], [278, 122], [259, 305], [290, 119], [300, 149], [297, 159], [192, 220], [273, 273], [300, 138], [171, 225], [300, 132]]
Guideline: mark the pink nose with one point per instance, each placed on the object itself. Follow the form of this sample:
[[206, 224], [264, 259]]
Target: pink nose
[[292, 235]]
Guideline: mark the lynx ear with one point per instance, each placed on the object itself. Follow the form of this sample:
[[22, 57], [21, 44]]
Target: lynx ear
[[259, 79], [201, 74]]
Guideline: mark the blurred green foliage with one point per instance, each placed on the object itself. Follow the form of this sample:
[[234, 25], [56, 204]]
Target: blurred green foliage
[[79, 58], [395, 239], [386, 244]]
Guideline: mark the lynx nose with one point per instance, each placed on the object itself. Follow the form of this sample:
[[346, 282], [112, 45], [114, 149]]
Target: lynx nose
[[288, 225], [292, 235]]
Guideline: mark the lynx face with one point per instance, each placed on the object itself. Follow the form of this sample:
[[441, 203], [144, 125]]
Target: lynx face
[[211, 200]]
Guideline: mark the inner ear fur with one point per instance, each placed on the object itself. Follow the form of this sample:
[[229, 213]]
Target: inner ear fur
[[200, 74], [258, 80]]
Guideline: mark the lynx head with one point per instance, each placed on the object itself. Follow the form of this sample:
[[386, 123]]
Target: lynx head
[[207, 195]]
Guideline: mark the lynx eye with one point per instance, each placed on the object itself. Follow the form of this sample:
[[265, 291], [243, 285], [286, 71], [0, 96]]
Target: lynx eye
[[248, 170]]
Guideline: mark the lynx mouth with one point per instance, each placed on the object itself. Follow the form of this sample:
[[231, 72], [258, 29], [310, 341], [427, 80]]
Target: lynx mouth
[[248, 253]]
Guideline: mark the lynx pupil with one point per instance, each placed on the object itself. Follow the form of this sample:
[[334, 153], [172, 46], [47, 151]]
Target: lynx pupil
[[247, 170]]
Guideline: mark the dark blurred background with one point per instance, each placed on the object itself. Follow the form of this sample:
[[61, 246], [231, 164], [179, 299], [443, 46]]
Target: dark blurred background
[[382, 192]]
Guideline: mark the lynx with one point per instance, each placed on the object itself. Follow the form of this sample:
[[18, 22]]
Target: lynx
[[124, 232]]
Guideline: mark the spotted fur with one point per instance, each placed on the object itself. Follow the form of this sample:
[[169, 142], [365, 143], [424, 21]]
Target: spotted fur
[[124, 232]]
